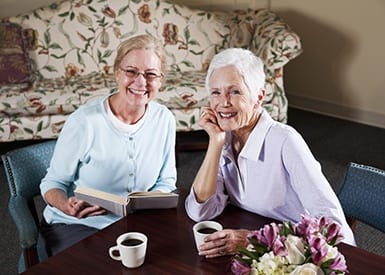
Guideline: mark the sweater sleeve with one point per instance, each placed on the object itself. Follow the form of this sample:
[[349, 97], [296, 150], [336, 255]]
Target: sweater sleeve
[[68, 153], [167, 177], [211, 208]]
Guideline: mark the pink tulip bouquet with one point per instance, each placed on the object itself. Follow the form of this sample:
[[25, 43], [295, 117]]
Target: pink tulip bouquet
[[307, 247]]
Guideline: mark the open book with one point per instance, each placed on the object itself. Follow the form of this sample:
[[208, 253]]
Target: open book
[[124, 205]]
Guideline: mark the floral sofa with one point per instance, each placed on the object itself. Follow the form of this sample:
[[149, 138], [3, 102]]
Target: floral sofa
[[56, 58]]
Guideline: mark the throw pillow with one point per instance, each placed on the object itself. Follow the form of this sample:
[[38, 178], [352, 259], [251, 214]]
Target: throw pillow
[[15, 67]]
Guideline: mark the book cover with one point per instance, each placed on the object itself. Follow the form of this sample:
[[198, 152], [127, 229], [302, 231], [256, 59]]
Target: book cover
[[124, 205]]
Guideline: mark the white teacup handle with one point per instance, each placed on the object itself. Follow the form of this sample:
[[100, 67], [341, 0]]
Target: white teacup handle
[[111, 252]]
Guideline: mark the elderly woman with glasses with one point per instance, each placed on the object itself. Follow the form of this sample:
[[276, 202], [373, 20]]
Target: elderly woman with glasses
[[252, 161], [120, 143]]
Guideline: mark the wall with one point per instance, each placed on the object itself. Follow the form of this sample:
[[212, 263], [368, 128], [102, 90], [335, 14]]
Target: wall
[[340, 72], [10, 8], [224, 4]]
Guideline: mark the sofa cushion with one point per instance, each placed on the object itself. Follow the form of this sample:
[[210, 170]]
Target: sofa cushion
[[15, 64], [54, 96], [183, 90]]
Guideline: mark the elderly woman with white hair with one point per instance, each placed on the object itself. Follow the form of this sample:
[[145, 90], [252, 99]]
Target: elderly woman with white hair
[[252, 161]]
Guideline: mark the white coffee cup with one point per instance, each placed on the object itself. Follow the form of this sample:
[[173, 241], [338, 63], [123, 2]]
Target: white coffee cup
[[131, 249], [203, 229]]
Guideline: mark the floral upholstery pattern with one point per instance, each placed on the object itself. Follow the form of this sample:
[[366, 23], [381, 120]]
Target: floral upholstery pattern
[[75, 45]]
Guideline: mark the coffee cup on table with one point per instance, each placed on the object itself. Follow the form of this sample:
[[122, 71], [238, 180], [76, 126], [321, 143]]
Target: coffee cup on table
[[203, 229], [130, 249]]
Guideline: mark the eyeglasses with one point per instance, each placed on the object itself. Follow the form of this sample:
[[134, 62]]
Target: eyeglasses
[[133, 73]]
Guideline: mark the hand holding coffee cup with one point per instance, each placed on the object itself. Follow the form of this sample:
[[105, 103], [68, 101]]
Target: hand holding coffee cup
[[203, 229], [130, 249]]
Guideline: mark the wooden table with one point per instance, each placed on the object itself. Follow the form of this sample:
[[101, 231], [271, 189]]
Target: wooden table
[[171, 248]]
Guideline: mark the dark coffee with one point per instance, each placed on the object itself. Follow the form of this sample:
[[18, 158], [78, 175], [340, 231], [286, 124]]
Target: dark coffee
[[131, 242], [207, 230]]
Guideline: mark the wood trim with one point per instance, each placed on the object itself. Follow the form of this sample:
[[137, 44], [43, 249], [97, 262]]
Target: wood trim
[[337, 110]]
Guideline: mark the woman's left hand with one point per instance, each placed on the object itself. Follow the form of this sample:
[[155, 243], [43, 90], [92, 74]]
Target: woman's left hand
[[225, 242]]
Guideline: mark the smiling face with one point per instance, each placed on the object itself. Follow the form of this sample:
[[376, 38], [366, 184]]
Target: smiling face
[[136, 89], [230, 99]]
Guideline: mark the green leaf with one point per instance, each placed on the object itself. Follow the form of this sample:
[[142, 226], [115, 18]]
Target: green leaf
[[55, 46], [91, 9], [196, 53], [64, 14], [188, 63], [251, 254], [39, 126], [193, 42], [80, 58], [29, 131], [107, 53], [183, 123], [187, 34], [58, 56], [99, 54], [245, 261], [122, 10], [50, 68], [192, 120], [47, 37], [259, 248], [287, 228]]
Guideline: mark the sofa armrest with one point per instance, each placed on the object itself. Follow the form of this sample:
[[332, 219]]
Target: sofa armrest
[[273, 40]]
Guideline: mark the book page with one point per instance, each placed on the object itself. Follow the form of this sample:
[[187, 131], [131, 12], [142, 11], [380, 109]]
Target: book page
[[122, 205], [151, 194], [111, 202], [100, 194], [169, 200]]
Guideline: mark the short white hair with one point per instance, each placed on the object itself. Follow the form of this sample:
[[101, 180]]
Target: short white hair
[[247, 63]]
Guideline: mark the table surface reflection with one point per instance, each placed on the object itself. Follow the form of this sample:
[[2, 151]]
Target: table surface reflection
[[171, 248]]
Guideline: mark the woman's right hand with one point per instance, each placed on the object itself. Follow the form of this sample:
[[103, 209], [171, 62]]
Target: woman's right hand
[[208, 121], [72, 206], [81, 209], [205, 182], [225, 242]]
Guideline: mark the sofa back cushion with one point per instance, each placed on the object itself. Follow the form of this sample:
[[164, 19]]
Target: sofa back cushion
[[79, 38]]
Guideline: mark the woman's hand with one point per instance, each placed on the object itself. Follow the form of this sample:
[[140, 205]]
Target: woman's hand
[[205, 182], [81, 209], [225, 242], [71, 206], [208, 121]]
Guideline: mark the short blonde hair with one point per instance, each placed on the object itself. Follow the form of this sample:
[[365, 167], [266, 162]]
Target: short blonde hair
[[143, 41], [246, 62]]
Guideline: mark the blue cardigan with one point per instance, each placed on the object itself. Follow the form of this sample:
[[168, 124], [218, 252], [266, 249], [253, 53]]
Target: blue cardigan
[[91, 152]]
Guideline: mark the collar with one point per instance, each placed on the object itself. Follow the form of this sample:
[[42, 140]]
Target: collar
[[255, 141]]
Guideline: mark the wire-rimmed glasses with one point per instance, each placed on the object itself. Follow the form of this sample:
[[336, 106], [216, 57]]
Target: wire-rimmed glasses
[[133, 73]]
